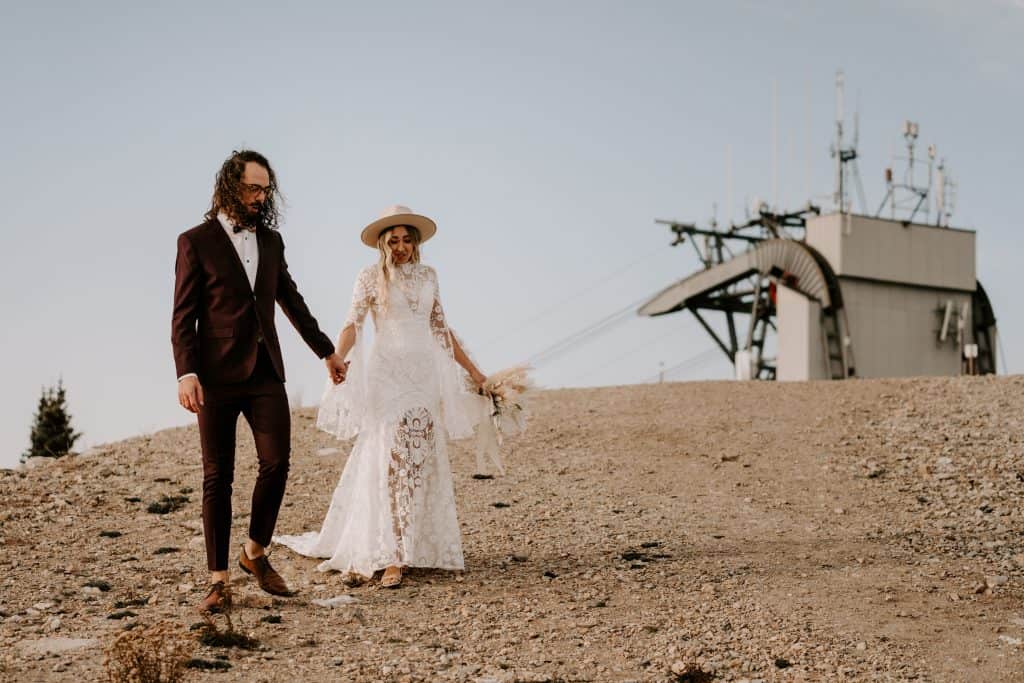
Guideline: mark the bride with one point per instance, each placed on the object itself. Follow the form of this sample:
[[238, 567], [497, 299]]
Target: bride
[[394, 506]]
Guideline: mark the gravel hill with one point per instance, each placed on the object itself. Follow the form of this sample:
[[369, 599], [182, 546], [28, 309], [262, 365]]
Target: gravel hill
[[861, 530]]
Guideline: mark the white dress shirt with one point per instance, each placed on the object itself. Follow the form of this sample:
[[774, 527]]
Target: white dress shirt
[[248, 252], [245, 246]]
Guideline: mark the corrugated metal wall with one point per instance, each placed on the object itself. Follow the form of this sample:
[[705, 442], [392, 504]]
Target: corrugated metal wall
[[876, 249], [894, 329], [896, 280]]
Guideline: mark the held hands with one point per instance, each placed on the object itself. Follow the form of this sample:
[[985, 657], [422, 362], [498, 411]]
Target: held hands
[[190, 391], [336, 368], [190, 394]]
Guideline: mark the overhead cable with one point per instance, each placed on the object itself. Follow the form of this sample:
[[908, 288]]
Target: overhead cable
[[587, 333], [625, 354], [690, 363], [575, 295]]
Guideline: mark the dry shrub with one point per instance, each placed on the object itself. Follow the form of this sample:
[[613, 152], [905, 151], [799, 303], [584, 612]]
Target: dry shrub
[[149, 654], [691, 672], [229, 636]]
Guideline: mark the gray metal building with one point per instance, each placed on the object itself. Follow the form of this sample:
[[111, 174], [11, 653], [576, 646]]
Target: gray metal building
[[858, 296], [844, 294], [909, 294]]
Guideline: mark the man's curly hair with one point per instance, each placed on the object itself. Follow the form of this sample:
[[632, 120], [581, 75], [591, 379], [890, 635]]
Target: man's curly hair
[[227, 190]]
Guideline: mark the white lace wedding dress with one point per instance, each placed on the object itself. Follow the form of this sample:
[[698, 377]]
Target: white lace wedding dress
[[395, 504]]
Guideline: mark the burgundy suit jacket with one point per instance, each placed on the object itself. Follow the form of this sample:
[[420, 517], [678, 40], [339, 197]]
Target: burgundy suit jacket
[[218, 317]]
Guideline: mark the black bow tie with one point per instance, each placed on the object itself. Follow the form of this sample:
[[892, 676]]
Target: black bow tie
[[240, 228]]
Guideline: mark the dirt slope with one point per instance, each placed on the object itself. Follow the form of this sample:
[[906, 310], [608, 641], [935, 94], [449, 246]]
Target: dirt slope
[[864, 530]]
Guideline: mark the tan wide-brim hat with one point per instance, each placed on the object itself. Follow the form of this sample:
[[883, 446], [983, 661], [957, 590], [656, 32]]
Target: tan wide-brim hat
[[394, 216]]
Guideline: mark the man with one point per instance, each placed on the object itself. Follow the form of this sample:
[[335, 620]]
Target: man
[[229, 272]]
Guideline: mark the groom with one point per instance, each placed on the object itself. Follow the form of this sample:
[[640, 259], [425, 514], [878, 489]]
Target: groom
[[229, 272]]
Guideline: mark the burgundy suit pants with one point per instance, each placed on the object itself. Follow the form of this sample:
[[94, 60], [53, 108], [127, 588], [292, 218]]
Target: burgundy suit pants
[[262, 400]]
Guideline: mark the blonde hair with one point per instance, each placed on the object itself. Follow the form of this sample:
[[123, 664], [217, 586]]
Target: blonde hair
[[386, 264]]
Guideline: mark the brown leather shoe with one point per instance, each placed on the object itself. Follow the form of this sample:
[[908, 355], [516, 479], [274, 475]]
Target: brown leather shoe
[[269, 580], [217, 600]]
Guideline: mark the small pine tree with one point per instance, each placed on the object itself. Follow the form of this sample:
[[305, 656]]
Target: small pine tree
[[52, 435]]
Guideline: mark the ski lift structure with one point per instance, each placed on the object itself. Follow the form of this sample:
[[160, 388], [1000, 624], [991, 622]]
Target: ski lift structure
[[806, 295]]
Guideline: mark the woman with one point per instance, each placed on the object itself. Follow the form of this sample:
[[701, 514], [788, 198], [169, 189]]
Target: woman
[[394, 506]]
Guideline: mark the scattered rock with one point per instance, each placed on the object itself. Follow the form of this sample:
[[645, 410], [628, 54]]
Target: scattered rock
[[690, 672], [211, 636], [254, 600], [56, 646], [634, 555], [98, 584], [167, 504], [992, 582], [165, 550], [131, 602], [336, 601], [34, 462], [208, 664], [122, 614]]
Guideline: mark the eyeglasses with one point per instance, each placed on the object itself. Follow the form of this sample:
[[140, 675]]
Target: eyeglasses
[[256, 189]]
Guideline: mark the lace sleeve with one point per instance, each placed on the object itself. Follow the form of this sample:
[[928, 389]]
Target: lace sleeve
[[460, 407], [438, 322], [343, 406], [363, 296]]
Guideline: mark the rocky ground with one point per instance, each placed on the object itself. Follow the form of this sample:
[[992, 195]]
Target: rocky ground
[[862, 530]]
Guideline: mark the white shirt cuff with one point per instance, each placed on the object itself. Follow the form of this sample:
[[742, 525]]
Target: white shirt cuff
[[187, 374]]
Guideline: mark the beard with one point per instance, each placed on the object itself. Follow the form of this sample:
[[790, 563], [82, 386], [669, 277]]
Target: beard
[[253, 214]]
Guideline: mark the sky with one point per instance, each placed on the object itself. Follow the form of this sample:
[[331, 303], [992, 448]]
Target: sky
[[544, 137]]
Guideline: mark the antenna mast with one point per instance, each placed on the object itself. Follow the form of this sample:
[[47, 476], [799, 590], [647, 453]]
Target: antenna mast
[[846, 157], [907, 197]]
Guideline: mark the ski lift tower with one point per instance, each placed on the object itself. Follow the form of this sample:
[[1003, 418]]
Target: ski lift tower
[[900, 290]]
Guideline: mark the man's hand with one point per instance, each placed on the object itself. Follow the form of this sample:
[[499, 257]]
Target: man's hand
[[190, 394], [336, 368]]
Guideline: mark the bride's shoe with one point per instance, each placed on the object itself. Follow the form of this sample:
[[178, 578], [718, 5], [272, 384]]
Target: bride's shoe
[[392, 577]]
